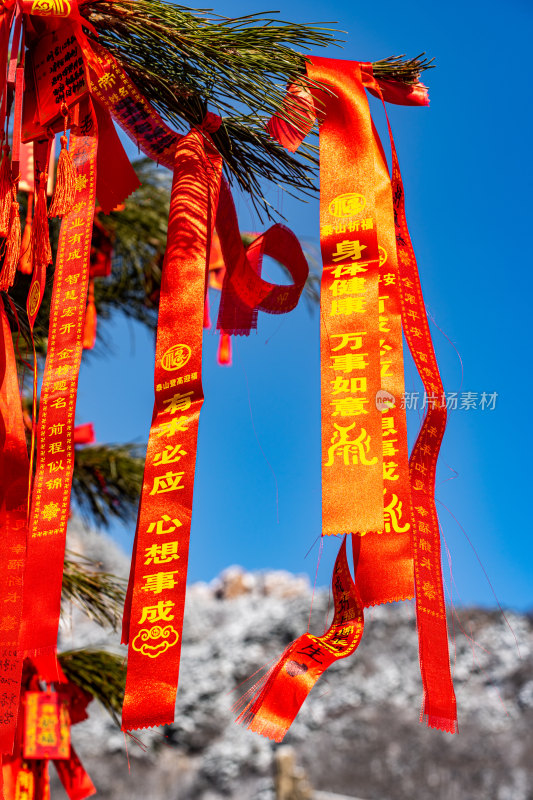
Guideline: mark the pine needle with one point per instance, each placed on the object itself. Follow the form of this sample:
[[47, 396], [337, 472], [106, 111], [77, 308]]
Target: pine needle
[[107, 482], [99, 594], [403, 69], [99, 672]]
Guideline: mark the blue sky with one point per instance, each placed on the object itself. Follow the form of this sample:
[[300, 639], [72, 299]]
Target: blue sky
[[467, 176]]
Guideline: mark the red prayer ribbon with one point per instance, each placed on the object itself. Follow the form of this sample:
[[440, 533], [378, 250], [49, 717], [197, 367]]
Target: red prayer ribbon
[[383, 563], [136, 116], [156, 594], [440, 708], [51, 490], [244, 292], [14, 531], [153, 613], [352, 460], [76, 782], [115, 177], [280, 694]]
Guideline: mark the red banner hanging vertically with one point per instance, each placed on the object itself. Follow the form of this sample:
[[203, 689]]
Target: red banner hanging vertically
[[154, 621], [55, 463], [14, 532], [384, 561], [352, 460], [383, 557]]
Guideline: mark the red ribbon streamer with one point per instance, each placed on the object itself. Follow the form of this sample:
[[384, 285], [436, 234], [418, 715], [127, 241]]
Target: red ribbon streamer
[[244, 292], [352, 461], [115, 177], [440, 707], [51, 491], [14, 531], [281, 693], [156, 594], [74, 778], [384, 568], [439, 699]]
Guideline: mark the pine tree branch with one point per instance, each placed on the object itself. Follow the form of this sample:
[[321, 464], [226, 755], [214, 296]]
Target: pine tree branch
[[192, 60], [99, 594], [107, 482], [189, 61], [199, 58], [403, 69], [100, 673]]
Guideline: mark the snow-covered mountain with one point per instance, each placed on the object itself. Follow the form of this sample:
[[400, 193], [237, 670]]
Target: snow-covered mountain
[[357, 734]]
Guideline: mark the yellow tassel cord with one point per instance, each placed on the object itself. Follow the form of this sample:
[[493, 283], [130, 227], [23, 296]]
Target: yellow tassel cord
[[5, 192], [65, 188], [12, 251]]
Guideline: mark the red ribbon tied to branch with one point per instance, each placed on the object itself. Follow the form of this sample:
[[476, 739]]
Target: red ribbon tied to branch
[[370, 292]]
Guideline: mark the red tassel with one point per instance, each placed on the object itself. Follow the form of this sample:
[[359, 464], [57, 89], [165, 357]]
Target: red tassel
[[40, 242], [24, 783], [24, 264], [65, 188], [5, 192], [89, 330], [12, 252], [224, 350]]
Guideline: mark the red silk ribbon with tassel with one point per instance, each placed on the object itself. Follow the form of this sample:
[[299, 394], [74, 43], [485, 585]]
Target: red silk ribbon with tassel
[[40, 253]]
